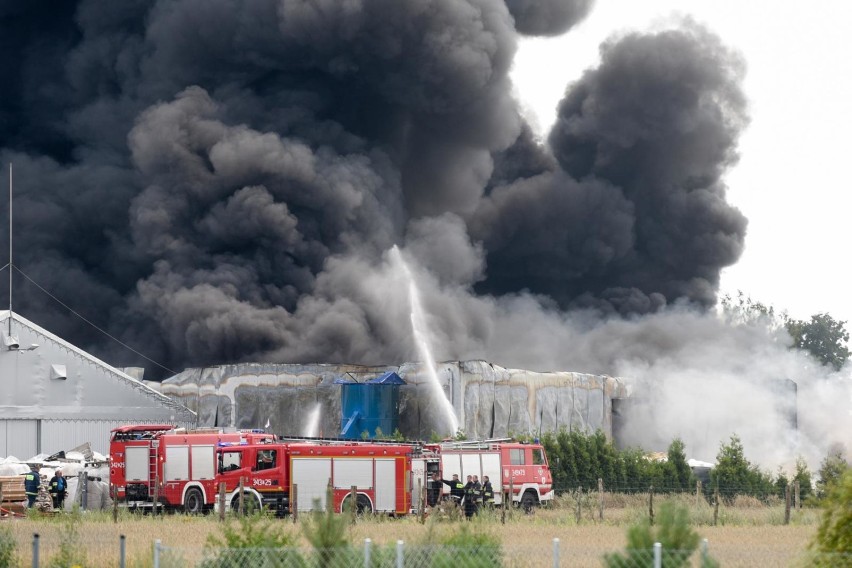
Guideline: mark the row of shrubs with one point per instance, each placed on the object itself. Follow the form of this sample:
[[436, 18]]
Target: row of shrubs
[[579, 460]]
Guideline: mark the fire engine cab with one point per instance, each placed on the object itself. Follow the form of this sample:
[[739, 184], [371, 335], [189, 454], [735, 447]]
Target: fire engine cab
[[175, 465]]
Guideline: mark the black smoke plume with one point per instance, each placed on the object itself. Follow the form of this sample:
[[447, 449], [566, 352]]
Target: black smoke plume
[[216, 181]]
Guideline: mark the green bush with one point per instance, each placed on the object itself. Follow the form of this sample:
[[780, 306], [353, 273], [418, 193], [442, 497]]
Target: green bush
[[834, 535], [468, 549], [7, 548], [673, 531], [252, 540], [326, 531], [71, 550]]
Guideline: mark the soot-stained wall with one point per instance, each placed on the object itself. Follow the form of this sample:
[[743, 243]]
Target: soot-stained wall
[[490, 401]]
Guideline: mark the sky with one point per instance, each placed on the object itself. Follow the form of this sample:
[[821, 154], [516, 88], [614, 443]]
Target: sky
[[792, 178]]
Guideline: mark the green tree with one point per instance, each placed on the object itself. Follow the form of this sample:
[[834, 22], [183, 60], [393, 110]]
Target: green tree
[[831, 470], [735, 475], [823, 337], [834, 535], [731, 472], [742, 310], [677, 467], [803, 476]]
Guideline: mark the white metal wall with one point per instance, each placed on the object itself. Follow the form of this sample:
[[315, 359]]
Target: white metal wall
[[27, 438], [18, 438]]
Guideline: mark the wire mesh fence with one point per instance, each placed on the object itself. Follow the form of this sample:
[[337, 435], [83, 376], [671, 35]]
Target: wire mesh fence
[[558, 553], [400, 554]]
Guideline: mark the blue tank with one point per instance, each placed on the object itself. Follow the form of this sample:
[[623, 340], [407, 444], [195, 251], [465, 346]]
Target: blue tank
[[369, 406]]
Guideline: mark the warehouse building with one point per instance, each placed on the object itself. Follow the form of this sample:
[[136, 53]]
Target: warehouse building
[[55, 396]]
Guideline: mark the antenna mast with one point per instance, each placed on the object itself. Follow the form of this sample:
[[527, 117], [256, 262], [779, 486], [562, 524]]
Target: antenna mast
[[10, 249]]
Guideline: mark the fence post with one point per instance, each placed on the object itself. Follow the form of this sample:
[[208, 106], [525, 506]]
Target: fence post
[[35, 550], [697, 492], [242, 497], [600, 498], [797, 502], [658, 555], [578, 514], [503, 504], [156, 493], [222, 501], [421, 502], [704, 552], [651, 504], [555, 553], [114, 503], [157, 553], [1, 491], [716, 506], [294, 502], [84, 489], [400, 561], [367, 542], [354, 494], [787, 504], [122, 551]]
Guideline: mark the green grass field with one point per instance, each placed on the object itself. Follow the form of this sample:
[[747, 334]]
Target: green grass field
[[748, 533]]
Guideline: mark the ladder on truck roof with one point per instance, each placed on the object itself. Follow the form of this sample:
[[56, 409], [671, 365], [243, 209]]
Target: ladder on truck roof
[[475, 444]]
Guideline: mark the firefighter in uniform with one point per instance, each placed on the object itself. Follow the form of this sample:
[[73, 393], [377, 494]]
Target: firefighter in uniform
[[487, 492], [57, 487], [31, 483], [456, 488], [469, 497], [477, 494], [433, 490]]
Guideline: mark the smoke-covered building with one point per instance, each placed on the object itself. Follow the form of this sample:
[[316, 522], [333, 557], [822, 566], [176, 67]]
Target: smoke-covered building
[[489, 400], [55, 396]]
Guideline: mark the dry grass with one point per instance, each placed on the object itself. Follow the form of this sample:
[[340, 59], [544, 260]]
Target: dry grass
[[750, 535]]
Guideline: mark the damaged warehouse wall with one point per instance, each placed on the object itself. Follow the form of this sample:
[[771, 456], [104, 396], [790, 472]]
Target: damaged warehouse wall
[[490, 401]]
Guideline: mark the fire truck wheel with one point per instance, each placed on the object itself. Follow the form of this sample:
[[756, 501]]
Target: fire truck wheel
[[528, 501], [362, 505], [193, 504], [250, 503]]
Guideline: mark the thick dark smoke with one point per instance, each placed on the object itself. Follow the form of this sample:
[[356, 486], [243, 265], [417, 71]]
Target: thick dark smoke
[[219, 181], [548, 17]]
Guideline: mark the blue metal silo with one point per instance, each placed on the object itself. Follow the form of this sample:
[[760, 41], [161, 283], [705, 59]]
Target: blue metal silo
[[369, 405]]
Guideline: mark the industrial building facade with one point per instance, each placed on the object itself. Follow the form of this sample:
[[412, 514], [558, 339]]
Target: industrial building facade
[[55, 396]]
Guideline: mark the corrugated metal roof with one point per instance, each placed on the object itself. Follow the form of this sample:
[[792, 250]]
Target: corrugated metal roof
[[181, 412]]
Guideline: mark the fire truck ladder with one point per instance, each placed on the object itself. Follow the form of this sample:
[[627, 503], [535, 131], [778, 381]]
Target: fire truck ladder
[[152, 466], [474, 444]]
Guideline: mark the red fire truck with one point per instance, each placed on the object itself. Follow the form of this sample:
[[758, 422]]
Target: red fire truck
[[511, 466], [177, 464], [381, 473]]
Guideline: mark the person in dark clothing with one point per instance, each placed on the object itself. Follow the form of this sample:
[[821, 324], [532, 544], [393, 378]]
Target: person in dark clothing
[[456, 488], [57, 487], [433, 490], [487, 492], [31, 483], [477, 494], [469, 497]]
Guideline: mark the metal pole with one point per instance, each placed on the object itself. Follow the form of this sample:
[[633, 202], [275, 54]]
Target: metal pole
[[122, 550], [367, 542], [84, 490], [35, 550], [10, 249], [399, 559], [658, 555], [157, 553], [555, 553]]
